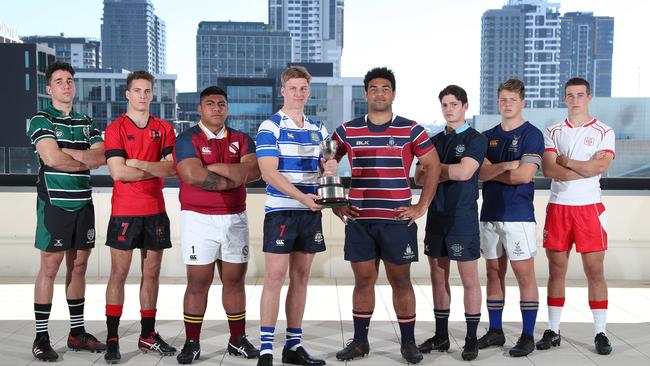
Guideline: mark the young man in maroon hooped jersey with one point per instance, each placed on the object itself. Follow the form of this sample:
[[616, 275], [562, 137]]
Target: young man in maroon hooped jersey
[[139, 155], [213, 163]]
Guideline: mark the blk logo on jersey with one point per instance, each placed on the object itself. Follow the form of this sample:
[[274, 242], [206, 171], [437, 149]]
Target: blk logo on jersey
[[154, 135]]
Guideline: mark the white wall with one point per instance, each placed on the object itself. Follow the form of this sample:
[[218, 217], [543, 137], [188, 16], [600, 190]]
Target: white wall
[[627, 258]]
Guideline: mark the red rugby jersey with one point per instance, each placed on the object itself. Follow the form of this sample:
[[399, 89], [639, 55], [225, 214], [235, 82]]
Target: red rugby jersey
[[229, 147], [151, 143]]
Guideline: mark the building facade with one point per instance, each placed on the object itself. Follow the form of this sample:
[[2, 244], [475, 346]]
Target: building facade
[[101, 94], [239, 50], [133, 37], [521, 40], [586, 51], [316, 28], [80, 52], [21, 96], [8, 34]]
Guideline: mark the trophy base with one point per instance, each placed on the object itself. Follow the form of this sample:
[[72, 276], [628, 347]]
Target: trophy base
[[333, 202]]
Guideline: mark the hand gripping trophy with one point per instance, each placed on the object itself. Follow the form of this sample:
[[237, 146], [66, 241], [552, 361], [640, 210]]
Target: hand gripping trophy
[[330, 188]]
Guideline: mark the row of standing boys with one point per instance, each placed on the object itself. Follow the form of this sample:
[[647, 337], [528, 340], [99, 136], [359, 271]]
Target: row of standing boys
[[214, 162]]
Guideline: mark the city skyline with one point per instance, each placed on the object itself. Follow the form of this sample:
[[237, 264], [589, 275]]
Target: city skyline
[[430, 45]]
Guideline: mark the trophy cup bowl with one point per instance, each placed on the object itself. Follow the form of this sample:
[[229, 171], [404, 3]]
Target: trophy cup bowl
[[330, 188]]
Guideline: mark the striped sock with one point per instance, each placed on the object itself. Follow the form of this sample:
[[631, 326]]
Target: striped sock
[[237, 325], [113, 314], [495, 313], [472, 321], [193, 325], [361, 321], [267, 334], [528, 316], [76, 307], [42, 316], [442, 322], [294, 336], [148, 322], [555, 305], [599, 309], [406, 327]]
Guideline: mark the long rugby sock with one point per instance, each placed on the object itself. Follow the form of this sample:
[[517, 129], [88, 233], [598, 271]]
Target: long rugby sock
[[361, 321], [193, 323], [148, 322], [472, 321], [76, 307], [555, 305], [406, 327], [113, 314], [294, 337], [528, 316], [42, 317], [442, 322], [495, 312], [267, 334], [237, 325], [599, 309]]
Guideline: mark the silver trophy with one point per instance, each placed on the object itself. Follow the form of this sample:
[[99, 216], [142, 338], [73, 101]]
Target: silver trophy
[[330, 189]]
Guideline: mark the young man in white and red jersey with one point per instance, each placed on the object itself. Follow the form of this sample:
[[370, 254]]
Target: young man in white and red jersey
[[380, 221], [576, 152], [213, 163], [139, 155]]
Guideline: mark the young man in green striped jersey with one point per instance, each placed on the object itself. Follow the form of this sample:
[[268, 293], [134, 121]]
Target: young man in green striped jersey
[[68, 145]]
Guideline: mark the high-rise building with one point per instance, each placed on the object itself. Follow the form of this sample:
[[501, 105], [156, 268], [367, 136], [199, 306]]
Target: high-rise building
[[8, 34], [21, 96], [101, 95], [133, 37], [521, 40], [80, 52], [586, 51], [316, 28], [239, 50]]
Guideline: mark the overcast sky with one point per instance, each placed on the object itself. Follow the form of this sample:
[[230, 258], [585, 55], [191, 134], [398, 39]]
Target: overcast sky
[[429, 44]]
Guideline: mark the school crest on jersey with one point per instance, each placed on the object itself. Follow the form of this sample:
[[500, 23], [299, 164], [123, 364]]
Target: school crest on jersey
[[460, 149], [234, 147], [314, 137], [154, 135], [514, 144], [589, 141]]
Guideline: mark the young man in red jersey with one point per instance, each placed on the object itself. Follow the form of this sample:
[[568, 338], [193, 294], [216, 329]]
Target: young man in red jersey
[[213, 163], [139, 155]]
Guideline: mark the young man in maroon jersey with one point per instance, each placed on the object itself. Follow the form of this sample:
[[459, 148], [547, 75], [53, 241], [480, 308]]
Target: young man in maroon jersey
[[139, 155], [213, 163]]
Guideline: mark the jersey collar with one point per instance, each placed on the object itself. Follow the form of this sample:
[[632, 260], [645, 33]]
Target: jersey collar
[[460, 129], [568, 123], [221, 135]]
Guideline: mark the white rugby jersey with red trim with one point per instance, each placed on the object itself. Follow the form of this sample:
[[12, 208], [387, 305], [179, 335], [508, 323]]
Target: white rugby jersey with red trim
[[381, 157], [578, 143]]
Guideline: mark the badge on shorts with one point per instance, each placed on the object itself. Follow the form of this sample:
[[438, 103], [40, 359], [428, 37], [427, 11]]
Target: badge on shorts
[[318, 238], [160, 232], [456, 250], [244, 251], [315, 137], [408, 252], [90, 235]]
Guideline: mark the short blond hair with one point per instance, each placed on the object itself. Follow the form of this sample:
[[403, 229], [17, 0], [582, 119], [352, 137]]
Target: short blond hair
[[295, 72]]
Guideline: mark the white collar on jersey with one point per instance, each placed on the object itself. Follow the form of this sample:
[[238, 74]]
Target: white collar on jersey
[[222, 134], [392, 119]]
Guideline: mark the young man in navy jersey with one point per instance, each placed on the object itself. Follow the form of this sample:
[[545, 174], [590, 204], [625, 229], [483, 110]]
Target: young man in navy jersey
[[380, 222], [515, 149], [214, 162], [288, 153], [452, 231]]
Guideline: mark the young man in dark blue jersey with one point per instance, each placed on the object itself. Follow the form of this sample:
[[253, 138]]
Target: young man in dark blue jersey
[[515, 149], [452, 231]]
